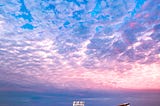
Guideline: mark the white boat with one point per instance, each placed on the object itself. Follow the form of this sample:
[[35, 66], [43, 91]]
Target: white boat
[[124, 104]]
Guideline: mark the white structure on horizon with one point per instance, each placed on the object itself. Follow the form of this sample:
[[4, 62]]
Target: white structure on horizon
[[78, 103]]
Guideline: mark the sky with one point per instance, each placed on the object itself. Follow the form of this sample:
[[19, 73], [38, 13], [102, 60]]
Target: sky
[[78, 48]]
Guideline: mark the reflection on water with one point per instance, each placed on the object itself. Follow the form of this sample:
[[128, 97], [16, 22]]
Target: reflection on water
[[41, 99]]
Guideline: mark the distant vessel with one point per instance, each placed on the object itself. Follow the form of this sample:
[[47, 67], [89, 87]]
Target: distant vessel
[[78, 103], [124, 104], [81, 103]]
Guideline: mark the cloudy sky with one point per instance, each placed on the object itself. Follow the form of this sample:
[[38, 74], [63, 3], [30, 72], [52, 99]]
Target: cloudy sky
[[79, 45]]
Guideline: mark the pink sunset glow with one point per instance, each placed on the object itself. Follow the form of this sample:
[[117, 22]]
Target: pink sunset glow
[[93, 47]]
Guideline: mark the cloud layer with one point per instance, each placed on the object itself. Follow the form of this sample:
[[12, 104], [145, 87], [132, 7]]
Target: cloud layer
[[80, 44]]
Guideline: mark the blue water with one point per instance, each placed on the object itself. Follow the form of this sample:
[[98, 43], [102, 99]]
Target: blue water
[[55, 99]]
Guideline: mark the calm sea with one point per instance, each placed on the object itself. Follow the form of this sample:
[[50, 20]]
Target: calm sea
[[108, 99]]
